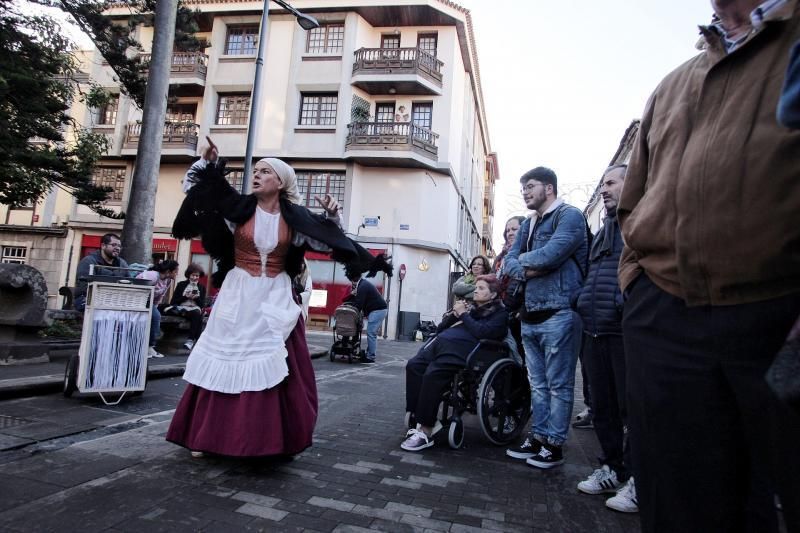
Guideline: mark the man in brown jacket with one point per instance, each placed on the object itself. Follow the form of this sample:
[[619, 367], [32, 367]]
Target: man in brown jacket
[[710, 214]]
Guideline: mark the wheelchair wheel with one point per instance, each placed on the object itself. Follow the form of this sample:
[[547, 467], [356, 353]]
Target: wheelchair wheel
[[332, 354], [410, 420], [504, 402], [455, 434]]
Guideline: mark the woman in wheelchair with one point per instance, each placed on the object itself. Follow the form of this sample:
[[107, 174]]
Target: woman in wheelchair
[[430, 371]]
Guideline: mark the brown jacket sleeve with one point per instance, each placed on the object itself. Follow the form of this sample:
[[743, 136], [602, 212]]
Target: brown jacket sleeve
[[632, 191]]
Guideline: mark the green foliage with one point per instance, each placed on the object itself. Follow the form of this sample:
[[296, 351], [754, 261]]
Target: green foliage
[[36, 88], [37, 85], [61, 329], [113, 36]]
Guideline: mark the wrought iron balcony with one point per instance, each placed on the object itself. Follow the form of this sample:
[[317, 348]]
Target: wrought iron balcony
[[392, 136], [185, 64], [176, 135], [397, 70]]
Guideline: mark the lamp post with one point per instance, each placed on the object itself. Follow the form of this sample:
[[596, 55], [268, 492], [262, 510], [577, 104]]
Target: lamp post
[[306, 22]]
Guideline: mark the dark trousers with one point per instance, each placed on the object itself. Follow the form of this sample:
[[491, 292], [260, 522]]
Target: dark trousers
[[587, 389], [195, 317], [428, 375], [710, 442], [604, 361]]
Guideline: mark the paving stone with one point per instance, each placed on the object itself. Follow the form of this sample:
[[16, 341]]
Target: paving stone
[[481, 513], [308, 523], [330, 503], [352, 468], [352, 519], [230, 518], [344, 528], [258, 499], [392, 527], [299, 508], [375, 466], [408, 509], [401, 483], [428, 481], [427, 523], [383, 514], [503, 526], [260, 511]]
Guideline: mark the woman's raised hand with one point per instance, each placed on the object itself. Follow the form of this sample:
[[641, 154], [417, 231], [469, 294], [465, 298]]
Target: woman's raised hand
[[329, 204], [209, 151]]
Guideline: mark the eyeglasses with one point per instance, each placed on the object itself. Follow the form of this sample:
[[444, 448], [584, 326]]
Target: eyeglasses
[[530, 187]]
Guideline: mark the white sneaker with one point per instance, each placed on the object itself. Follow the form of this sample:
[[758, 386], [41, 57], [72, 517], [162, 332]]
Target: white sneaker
[[416, 441], [151, 352], [601, 481], [625, 501], [189, 344]]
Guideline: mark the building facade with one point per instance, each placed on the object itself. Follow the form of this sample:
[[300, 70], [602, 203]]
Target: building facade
[[380, 107]]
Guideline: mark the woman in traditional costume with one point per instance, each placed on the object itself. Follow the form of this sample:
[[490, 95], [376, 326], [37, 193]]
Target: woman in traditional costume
[[252, 390]]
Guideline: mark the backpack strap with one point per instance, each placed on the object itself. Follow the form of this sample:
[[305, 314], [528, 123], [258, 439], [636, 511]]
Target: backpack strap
[[589, 236]]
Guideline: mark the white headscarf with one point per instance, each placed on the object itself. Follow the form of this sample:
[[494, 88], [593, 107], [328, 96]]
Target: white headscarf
[[287, 176]]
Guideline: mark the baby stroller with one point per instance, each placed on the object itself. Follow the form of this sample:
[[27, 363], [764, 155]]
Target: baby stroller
[[347, 333]]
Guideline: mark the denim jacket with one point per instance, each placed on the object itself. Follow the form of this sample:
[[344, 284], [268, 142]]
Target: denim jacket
[[557, 236]]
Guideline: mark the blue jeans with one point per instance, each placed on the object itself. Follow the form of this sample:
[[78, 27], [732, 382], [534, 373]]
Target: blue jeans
[[374, 320], [551, 353], [155, 325]]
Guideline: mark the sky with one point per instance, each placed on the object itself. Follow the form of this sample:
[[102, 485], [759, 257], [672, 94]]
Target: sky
[[562, 80]]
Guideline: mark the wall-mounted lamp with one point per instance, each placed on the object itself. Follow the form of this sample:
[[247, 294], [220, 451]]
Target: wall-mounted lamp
[[423, 265]]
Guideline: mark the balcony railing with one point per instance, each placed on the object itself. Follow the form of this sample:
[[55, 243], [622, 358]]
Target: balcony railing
[[175, 135], [392, 135], [185, 64], [397, 61]]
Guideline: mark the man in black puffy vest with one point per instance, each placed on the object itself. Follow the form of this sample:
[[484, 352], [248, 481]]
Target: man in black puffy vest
[[600, 308]]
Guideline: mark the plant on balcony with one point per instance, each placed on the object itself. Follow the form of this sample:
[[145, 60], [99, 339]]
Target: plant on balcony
[[360, 114]]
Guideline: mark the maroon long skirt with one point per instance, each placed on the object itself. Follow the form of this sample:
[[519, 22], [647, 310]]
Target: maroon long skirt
[[275, 421]]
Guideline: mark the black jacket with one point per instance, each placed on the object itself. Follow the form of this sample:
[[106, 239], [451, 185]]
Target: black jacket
[[212, 200], [177, 295], [367, 298], [600, 300]]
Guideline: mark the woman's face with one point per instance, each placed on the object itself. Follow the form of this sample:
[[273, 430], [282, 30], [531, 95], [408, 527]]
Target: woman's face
[[512, 227], [265, 180], [477, 267], [194, 276], [482, 293]]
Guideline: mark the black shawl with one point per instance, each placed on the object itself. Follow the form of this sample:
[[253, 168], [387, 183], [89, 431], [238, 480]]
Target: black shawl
[[212, 200]]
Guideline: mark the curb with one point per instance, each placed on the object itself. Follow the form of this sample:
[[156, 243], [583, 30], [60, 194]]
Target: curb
[[49, 384]]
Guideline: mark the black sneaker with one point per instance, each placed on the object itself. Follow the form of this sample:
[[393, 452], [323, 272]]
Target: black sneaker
[[526, 450], [548, 457]]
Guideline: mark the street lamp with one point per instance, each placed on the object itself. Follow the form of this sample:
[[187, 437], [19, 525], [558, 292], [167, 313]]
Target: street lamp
[[306, 22]]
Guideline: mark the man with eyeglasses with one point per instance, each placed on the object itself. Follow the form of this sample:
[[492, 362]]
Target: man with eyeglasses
[[107, 255], [550, 256]]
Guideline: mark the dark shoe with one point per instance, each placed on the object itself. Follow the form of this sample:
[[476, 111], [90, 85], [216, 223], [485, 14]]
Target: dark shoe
[[365, 359], [584, 420], [526, 450], [548, 457]]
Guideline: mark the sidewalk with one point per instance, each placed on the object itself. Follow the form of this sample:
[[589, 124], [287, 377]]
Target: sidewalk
[[123, 476], [45, 378]]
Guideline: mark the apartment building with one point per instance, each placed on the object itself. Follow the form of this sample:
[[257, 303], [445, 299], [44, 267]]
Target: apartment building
[[381, 107]]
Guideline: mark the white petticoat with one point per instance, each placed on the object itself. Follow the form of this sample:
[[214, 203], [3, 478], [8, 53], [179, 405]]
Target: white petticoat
[[243, 346]]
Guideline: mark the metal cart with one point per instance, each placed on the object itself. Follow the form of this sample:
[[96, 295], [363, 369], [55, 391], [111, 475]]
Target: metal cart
[[114, 341]]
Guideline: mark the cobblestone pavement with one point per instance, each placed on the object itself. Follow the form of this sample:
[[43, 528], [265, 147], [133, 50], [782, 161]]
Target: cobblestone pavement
[[116, 472]]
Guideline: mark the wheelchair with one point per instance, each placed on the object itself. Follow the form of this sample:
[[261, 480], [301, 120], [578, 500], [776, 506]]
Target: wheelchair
[[494, 386]]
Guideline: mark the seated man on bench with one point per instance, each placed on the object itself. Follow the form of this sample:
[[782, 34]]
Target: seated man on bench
[[430, 371]]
